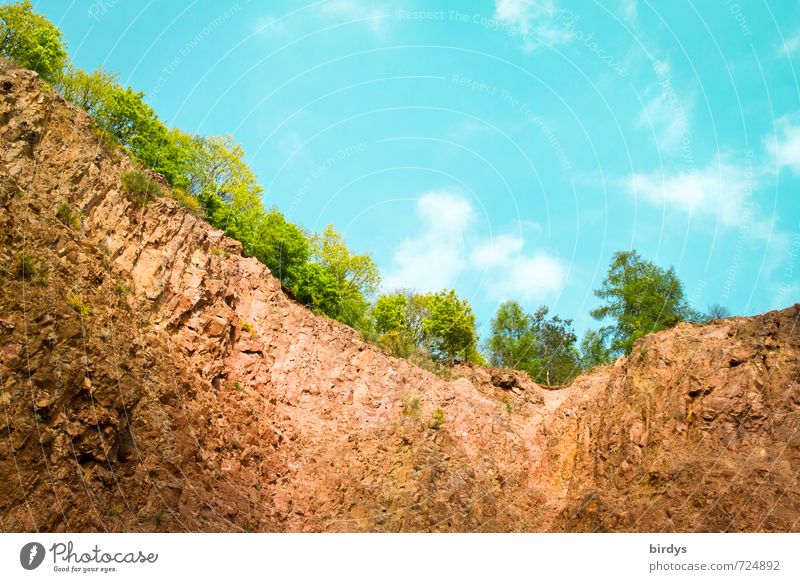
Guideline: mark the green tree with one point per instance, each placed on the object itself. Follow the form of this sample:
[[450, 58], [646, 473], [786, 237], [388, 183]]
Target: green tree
[[450, 326], [542, 346], [594, 351], [557, 358], [512, 343], [32, 41], [640, 297], [357, 275], [388, 314], [280, 245], [317, 288]]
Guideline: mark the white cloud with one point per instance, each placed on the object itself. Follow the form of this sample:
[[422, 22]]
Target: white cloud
[[791, 46], [722, 190], [444, 250], [433, 260], [373, 14], [785, 149], [666, 113], [496, 251], [628, 9], [536, 20], [528, 278]]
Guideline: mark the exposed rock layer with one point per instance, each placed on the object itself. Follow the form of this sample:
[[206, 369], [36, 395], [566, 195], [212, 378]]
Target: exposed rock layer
[[197, 396]]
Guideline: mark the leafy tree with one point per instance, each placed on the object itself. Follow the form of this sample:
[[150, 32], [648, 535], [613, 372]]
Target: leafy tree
[[512, 343], [542, 346], [450, 327], [357, 275], [641, 298], [32, 41], [389, 313], [557, 360], [280, 245], [317, 288], [593, 350]]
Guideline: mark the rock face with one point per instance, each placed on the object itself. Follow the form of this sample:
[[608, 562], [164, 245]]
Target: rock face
[[152, 379]]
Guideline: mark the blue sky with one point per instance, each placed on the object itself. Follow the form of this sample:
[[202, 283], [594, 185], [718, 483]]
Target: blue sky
[[505, 148]]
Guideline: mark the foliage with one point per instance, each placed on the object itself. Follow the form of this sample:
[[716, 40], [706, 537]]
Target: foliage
[[357, 277], [317, 288], [68, 216], [594, 351], [79, 306], [410, 406], [557, 359], [281, 246], [389, 313], [30, 40], [247, 327], [542, 346], [27, 267], [641, 298], [437, 418], [512, 343], [450, 327], [140, 188]]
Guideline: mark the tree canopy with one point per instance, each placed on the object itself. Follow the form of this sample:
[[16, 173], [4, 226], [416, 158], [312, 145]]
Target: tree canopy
[[640, 298], [32, 41], [540, 345]]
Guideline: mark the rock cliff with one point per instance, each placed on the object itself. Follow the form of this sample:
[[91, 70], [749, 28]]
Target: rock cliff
[[153, 379]]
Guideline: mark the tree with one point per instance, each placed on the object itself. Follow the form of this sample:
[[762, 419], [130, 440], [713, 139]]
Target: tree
[[715, 312], [641, 298], [557, 358], [388, 314], [357, 275], [280, 245], [542, 346], [593, 350], [32, 41], [512, 343], [450, 327], [317, 288]]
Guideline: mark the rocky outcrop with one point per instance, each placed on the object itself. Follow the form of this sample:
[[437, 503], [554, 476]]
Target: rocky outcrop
[[153, 379]]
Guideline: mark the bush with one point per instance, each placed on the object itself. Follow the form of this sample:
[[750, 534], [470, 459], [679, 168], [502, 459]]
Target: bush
[[186, 200], [411, 406], [140, 188], [26, 266], [79, 306], [437, 418], [68, 216]]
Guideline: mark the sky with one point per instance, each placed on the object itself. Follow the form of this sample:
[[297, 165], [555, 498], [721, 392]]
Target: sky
[[504, 148]]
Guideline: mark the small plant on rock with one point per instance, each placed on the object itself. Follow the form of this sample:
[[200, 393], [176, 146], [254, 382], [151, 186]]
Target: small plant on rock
[[68, 216], [79, 306], [437, 418], [140, 188], [411, 406]]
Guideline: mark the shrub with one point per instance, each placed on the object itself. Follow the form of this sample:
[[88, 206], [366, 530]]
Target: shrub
[[246, 327], [411, 406], [437, 419], [79, 306], [27, 267], [186, 200], [140, 188], [68, 216]]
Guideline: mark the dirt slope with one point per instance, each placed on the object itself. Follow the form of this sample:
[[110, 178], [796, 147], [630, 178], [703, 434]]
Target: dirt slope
[[159, 411]]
